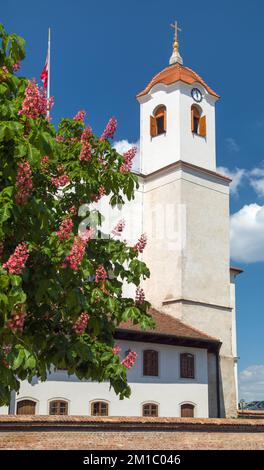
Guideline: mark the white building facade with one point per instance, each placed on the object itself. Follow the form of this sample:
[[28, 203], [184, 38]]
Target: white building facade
[[188, 365]]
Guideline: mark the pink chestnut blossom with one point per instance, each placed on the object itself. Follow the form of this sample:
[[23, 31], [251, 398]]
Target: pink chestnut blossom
[[88, 234], [73, 210], [128, 156], [86, 149], [44, 164], [110, 129], [24, 183], [97, 197], [59, 138], [65, 229], [74, 259], [86, 134], [130, 359], [100, 274], [60, 181], [16, 322], [140, 296], [80, 116], [118, 229], [140, 245], [17, 66], [116, 349], [17, 260], [81, 323], [35, 103], [86, 152]]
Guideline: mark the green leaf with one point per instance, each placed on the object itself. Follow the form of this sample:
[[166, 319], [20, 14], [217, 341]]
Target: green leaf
[[10, 129], [19, 359], [33, 155], [30, 362], [111, 303]]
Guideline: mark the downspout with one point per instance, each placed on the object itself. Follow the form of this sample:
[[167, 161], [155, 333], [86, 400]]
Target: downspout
[[218, 382]]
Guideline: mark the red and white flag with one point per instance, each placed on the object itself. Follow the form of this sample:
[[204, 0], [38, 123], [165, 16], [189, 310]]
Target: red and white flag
[[45, 73]]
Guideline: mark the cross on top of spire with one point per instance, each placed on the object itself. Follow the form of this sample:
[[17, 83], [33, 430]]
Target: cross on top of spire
[[177, 29], [175, 57]]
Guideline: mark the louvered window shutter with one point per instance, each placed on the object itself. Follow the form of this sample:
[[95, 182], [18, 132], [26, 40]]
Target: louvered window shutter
[[153, 127], [202, 126], [192, 122], [165, 120]]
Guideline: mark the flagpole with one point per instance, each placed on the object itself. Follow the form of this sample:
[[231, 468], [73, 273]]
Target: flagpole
[[48, 84]]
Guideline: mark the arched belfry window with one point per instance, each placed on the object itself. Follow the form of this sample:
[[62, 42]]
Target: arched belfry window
[[158, 122], [198, 122]]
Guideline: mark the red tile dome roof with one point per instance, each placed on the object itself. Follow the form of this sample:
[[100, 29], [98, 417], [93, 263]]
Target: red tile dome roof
[[174, 73]]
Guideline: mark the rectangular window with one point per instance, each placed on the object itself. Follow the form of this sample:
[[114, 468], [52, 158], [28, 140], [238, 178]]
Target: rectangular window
[[187, 366], [150, 363]]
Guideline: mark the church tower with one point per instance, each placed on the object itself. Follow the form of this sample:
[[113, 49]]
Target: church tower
[[186, 217], [177, 116]]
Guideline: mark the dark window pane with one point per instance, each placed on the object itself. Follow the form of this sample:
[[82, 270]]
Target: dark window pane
[[99, 408], [187, 366], [150, 363], [58, 408], [196, 121], [160, 125], [150, 409]]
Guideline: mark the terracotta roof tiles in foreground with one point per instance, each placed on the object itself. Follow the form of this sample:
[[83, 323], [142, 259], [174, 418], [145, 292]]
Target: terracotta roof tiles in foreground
[[167, 330]]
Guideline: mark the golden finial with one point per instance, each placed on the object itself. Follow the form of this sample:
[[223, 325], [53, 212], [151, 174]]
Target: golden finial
[[175, 54]]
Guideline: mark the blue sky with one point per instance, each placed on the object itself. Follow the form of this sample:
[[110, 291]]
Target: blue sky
[[103, 53]]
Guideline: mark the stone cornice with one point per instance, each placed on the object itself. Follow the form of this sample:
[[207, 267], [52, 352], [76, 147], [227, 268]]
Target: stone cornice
[[182, 165]]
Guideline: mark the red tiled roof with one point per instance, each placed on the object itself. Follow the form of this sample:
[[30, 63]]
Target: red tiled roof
[[175, 73], [168, 325]]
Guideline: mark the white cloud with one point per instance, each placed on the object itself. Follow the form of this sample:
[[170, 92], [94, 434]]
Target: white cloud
[[247, 234], [232, 144], [258, 172], [256, 179], [236, 175], [258, 186], [251, 383], [122, 146]]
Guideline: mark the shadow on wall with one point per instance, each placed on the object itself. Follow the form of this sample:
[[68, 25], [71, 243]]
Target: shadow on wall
[[62, 376]]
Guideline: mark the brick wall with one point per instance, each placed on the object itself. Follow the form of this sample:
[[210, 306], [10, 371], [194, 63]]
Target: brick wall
[[251, 414], [69, 432]]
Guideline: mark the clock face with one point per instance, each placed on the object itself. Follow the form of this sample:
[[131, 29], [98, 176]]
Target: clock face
[[197, 95]]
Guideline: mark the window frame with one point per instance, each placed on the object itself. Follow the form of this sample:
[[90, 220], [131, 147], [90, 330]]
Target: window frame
[[157, 368], [158, 112], [197, 113], [150, 403], [58, 400], [20, 400], [194, 408], [185, 354], [105, 402]]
